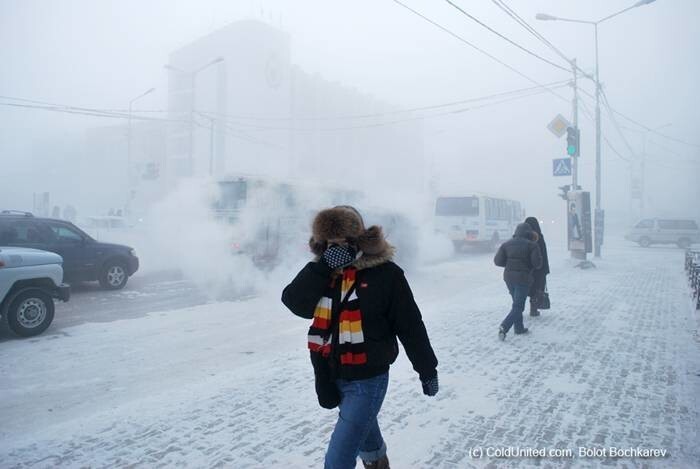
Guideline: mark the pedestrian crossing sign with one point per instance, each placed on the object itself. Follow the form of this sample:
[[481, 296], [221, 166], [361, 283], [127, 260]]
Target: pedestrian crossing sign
[[561, 167]]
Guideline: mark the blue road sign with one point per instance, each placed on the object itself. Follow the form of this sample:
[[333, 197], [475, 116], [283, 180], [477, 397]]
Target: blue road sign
[[561, 167]]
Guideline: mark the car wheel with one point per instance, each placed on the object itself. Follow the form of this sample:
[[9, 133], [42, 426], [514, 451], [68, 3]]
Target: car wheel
[[30, 313], [113, 275], [683, 243], [644, 242]]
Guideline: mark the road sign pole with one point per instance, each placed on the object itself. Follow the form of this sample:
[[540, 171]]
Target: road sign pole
[[575, 253], [574, 163]]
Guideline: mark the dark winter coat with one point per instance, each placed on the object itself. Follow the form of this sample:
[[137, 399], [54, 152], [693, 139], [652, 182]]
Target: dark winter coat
[[388, 311], [520, 256], [540, 274]]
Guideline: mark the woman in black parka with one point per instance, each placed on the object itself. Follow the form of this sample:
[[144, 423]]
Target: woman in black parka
[[360, 303], [540, 283]]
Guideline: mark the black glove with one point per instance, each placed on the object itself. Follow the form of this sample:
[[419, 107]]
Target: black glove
[[430, 386], [337, 256]]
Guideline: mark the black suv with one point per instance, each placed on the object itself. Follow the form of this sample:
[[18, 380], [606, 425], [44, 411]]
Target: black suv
[[84, 259]]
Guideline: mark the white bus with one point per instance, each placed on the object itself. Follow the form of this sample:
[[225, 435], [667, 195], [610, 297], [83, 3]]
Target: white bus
[[477, 220], [269, 216]]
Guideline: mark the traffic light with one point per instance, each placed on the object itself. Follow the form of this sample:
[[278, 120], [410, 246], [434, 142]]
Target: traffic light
[[573, 140], [564, 191]]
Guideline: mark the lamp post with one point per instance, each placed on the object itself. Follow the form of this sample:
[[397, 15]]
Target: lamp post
[[642, 163], [598, 218], [128, 137], [193, 75]]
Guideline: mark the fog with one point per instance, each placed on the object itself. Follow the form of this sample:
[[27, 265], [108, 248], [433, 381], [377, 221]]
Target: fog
[[334, 113]]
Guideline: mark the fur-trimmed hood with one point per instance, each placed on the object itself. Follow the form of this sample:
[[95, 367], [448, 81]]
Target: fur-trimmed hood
[[346, 222]]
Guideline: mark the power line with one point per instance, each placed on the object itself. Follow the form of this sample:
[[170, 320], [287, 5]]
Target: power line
[[94, 112], [654, 131], [518, 19], [124, 112], [480, 50], [478, 21], [86, 112], [608, 108], [645, 157], [617, 153], [534, 92], [589, 115], [391, 113], [668, 137]]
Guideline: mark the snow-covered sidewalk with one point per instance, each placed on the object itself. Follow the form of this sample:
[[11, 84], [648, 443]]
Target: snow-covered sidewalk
[[614, 363]]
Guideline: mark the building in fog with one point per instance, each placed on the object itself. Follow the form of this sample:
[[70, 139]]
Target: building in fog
[[238, 105], [121, 173]]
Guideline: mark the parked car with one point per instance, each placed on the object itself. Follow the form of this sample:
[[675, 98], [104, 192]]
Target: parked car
[[30, 279], [84, 258], [682, 232]]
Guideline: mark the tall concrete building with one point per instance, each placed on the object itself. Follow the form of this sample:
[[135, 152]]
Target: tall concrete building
[[237, 104]]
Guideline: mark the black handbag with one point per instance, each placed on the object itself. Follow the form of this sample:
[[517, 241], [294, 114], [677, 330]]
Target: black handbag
[[326, 390], [544, 300]]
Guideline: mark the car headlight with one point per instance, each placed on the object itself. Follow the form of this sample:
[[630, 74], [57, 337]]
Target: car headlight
[[132, 252]]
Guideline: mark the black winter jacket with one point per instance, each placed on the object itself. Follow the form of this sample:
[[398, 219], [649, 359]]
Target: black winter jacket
[[540, 274], [520, 256], [388, 311]]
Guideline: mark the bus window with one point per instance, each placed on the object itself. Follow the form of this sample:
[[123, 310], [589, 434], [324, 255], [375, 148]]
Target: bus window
[[457, 206], [489, 209]]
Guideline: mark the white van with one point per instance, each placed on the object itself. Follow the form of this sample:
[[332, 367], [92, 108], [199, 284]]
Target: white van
[[681, 232]]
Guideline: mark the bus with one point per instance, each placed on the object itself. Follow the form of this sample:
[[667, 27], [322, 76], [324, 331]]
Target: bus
[[477, 220], [270, 218]]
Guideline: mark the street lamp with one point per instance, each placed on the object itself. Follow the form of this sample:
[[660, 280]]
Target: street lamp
[[598, 219], [192, 74], [642, 163], [128, 138]]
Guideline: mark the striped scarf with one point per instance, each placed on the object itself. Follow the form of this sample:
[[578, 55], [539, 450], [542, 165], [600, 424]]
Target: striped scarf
[[350, 338]]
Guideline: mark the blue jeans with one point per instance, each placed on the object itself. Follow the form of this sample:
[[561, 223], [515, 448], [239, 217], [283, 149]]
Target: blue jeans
[[357, 431], [519, 292]]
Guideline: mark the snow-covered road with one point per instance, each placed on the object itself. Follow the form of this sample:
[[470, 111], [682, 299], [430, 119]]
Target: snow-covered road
[[615, 363]]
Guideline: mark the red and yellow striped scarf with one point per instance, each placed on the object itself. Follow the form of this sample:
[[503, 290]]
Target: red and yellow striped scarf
[[350, 342]]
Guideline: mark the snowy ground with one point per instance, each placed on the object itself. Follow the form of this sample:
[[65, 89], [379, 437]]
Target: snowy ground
[[615, 363]]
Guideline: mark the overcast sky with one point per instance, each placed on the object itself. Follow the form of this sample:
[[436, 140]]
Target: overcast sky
[[101, 53]]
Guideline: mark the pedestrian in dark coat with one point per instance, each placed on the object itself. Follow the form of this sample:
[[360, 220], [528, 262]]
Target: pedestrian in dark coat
[[360, 303], [539, 283], [520, 256]]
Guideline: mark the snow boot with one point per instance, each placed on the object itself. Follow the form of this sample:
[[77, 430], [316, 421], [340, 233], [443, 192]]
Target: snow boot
[[501, 333], [533, 310], [381, 463], [524, 330]]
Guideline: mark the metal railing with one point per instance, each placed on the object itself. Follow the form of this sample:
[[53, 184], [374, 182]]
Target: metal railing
[[692, 269]]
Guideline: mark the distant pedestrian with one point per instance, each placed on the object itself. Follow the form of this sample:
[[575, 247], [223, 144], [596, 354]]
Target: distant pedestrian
[[539, 283], [520, 256], [360, 302]]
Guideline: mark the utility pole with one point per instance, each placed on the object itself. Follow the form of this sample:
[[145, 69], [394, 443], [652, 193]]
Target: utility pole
[[129, 172], [193, 102], [598, 221], [575, 253], [598, 217], [128, 136], [574, 103]]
